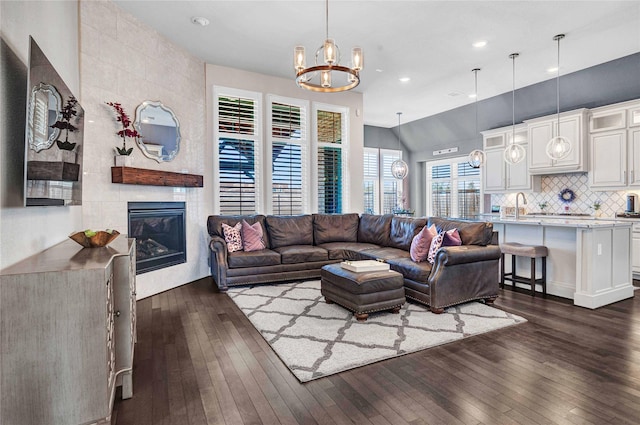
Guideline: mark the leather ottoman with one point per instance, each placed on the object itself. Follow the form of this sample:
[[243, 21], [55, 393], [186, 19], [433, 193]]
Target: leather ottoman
[[362, 292]]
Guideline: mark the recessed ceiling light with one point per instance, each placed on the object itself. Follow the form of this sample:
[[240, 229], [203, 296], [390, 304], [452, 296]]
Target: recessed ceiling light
[[404, 79], [199, 20], [379, 70], [472, 96], [552, 70], [454, 93], [480, 43]]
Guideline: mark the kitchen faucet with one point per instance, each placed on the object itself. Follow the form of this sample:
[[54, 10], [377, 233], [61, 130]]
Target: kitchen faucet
[[524, 201]]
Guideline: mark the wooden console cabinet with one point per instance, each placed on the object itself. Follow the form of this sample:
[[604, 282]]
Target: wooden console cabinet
[[67, 333]]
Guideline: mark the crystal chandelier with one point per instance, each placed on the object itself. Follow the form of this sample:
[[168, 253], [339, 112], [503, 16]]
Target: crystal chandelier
[[476, 157], [558, 147], [399, 168], [514, 153], [328, 76]]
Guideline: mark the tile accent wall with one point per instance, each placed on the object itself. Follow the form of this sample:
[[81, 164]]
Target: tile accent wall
[[612, 202], [123, 60]]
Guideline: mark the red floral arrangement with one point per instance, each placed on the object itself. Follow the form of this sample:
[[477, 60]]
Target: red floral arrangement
[[123, 118]]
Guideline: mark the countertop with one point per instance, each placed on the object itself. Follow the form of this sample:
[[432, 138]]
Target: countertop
[[562, 221]]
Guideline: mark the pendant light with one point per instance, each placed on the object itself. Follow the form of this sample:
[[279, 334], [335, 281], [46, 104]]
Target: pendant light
[[514, 153], [477, 156], [399, 168], [558, 147]]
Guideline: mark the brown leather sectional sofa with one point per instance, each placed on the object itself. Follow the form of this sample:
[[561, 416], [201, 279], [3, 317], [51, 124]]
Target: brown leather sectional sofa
[[298, 247]]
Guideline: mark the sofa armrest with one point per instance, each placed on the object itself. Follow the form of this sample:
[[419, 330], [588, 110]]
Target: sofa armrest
[[218, 260], [463, 254]]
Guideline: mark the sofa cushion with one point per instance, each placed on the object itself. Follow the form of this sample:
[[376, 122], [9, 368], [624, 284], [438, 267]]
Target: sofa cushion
[[252, 236], [335, 228], [436, 244], [233, 236], [290, 230], [403, 229], [265, 257], [418, 272], [214, 223], [301, 254], [451, 238], [471, 232], [384, 253], [375, 229], [421, 243], [346, 250]]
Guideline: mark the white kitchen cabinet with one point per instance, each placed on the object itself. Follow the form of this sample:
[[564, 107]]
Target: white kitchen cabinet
[[498, 176], [67, 334], [635, 248], [541, 130], [609, 159], [615, 147]]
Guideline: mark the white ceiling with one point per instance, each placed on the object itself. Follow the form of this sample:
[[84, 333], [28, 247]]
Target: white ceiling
[[428, 41]]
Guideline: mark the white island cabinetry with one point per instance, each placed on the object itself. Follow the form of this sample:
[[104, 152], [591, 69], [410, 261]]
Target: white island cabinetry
[[589, 261]]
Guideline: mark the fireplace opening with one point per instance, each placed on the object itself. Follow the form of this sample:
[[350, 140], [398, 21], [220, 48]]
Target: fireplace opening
[[159, 229]]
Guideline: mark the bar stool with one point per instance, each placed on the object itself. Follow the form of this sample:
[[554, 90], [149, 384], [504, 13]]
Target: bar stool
[[516, 249]]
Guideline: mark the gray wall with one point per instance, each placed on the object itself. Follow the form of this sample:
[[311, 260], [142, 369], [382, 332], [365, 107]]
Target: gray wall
[[611, 82]]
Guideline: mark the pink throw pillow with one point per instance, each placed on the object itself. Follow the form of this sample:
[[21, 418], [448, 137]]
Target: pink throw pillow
[[452, 238], [232, 237], [436, 243], [252, 237], [421, 242]]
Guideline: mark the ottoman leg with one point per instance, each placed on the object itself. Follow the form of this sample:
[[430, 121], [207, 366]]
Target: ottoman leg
[[361, 317], [327, 300], [395, 310], [437, 310]]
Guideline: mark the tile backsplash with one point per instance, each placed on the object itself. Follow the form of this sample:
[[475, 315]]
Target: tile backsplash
[[611, 202]]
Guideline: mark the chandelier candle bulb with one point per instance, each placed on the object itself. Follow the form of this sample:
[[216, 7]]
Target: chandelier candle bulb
[[330, 51], [299, 62], [326, 79], [357, 59]]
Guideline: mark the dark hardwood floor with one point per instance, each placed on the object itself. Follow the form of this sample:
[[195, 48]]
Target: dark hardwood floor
[[200, 361]]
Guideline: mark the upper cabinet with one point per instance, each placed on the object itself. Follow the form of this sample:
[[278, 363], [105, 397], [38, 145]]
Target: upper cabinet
[[615, 146], [498, 176], [541, 130]]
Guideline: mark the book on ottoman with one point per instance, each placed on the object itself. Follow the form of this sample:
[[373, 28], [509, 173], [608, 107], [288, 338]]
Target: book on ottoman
[[364, 266]]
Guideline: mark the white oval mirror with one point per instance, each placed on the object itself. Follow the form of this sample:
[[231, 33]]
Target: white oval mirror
[[45, 109], [159, 131]]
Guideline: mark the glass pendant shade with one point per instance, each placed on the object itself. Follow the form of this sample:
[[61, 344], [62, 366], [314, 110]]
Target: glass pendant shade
[[299, 62], [399, 169], [357, 59], [476, 158], [325, 79], [329, 49], [514, 153], [558, 148]]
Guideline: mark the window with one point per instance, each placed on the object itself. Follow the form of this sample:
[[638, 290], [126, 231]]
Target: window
[[289, 156], [331, 133], [238, 151], [453, 188], [382, 192]]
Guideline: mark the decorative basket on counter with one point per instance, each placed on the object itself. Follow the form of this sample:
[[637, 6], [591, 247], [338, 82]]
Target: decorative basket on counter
[[96, 239]]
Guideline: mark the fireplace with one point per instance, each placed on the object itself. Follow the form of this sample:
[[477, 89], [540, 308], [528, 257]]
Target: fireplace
[[159, 229]]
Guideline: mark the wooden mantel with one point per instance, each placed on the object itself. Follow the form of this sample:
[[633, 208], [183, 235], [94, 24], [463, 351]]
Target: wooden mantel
[[130, 175]]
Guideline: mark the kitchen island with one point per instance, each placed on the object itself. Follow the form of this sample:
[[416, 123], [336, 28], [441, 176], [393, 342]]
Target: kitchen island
[[589, 260]]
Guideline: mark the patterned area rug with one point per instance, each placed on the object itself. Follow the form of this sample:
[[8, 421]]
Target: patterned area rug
[[315, 339]]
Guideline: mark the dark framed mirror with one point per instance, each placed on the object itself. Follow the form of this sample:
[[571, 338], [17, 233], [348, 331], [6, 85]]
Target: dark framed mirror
[[53, 136], [159, 130]]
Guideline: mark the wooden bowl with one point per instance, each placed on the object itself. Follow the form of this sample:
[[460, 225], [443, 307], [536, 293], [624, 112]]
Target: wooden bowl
[[100, 239]]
